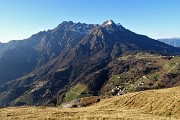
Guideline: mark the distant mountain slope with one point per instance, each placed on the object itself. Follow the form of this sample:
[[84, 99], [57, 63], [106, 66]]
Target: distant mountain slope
[[171, 41], [45, 67], [56, 86], [153, 104]]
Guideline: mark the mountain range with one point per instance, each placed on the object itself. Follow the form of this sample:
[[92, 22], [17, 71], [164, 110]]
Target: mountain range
[[79, 60], [171, 41]]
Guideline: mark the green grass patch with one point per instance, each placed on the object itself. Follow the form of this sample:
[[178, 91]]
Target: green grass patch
[[175, 60], [154, 77], [27, 99], [119, 79], [75, 92]]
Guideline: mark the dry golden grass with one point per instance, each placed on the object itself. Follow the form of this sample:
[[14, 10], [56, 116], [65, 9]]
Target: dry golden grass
[[148, 105]]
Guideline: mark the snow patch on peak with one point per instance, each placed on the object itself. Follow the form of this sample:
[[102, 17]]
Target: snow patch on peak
[[109, 22]]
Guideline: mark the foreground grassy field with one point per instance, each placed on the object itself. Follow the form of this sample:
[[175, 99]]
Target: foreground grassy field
[[161, 104]]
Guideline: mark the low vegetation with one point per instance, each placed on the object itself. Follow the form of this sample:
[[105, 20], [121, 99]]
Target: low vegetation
[[143, 71], [75, 92], [163, 104]]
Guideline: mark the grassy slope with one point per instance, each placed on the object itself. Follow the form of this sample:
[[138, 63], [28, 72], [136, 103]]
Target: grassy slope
[[75, 92], [153, 104], [166, 66]]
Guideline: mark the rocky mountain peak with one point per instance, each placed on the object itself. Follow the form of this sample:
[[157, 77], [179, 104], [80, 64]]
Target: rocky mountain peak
[[81, 28], [110, 25], [108, 22]]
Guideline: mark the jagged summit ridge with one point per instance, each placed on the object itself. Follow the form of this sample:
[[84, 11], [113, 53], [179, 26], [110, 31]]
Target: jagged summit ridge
[[84, 28]]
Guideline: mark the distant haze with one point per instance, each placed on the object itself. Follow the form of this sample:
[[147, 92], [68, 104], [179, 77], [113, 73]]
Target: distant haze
[[171, 41]]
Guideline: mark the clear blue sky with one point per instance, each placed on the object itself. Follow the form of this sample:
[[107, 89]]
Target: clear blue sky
[[156, 18]]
